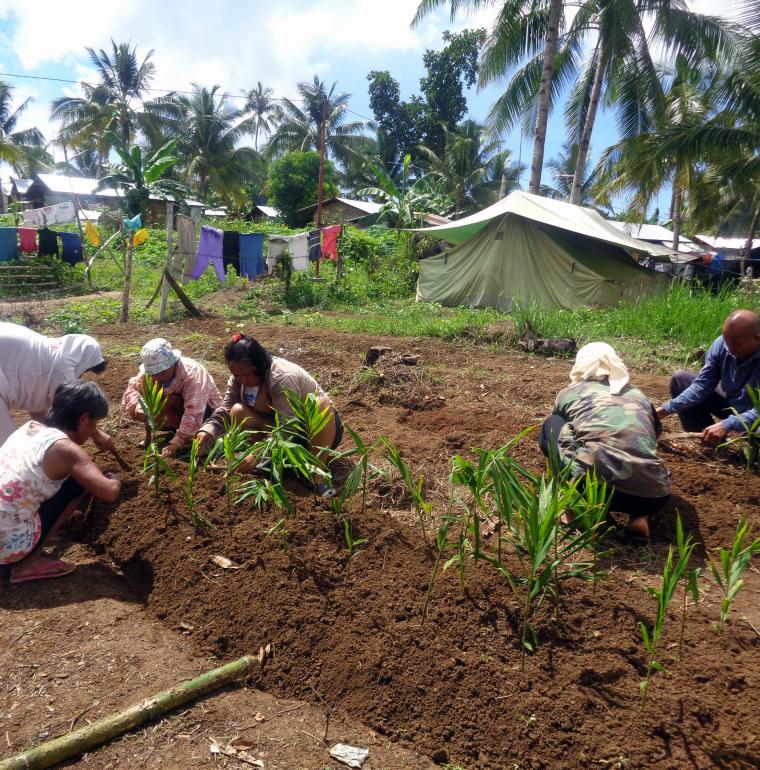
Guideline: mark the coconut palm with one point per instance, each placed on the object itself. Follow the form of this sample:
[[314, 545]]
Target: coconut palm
[[22, 149], [263, 108], [622, 68], [208, 130], [472, 167], [523, 29], [301, 129], [114, 103]]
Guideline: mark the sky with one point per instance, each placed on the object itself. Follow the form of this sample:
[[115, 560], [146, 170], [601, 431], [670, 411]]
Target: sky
[[235, 44]]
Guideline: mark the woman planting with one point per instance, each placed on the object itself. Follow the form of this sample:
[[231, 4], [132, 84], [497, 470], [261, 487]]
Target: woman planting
[[191, 392], [32, 366], [602, 423], [44, 473], [256, 390]]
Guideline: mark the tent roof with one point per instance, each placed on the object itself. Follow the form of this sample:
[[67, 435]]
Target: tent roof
[[575, 219]]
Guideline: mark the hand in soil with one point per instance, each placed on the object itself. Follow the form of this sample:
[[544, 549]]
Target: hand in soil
[[714, 434]]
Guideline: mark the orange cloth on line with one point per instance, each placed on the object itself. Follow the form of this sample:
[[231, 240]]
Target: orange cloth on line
[[330, 241], [93, 236]]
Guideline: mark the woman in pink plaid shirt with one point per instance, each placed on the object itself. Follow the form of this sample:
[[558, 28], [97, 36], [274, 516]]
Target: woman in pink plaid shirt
[[191, 392]]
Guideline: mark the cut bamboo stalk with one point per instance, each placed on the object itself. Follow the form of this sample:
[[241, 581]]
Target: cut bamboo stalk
[[66, 746]]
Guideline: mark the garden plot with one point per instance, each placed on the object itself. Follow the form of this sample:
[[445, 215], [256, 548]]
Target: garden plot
[[345, 616]]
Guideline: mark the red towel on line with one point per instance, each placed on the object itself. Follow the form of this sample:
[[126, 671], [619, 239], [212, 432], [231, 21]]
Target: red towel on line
[[28, 240], [330, 241]]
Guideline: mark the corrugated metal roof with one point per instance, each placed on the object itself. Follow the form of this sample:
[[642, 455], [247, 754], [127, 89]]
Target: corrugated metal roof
[[733, 244], [268, 211], [22, 185], [366, 206], [647, 232]]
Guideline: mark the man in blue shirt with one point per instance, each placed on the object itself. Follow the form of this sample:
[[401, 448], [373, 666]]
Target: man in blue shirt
[[720, 389]]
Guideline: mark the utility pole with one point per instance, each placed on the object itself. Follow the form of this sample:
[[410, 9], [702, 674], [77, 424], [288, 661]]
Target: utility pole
[[321, 183]]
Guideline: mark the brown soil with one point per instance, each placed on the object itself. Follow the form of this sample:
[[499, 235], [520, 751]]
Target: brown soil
[[349, 634]]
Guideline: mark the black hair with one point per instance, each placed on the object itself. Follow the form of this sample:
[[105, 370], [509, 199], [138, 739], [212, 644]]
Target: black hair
[[249, 351], [99, 368], [72, 400]]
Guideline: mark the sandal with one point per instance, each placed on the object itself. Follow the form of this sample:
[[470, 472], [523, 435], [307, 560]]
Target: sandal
[[52, 569], [625, 537]]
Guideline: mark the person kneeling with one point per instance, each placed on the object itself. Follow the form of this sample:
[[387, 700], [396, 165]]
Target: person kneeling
[[44, 473], [191, 392], [602, 423], [256, 390]]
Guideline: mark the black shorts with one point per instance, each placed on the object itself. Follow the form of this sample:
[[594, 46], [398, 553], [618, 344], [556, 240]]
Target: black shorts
[[52, 509]]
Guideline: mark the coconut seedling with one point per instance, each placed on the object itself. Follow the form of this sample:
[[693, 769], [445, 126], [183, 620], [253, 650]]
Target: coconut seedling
[[153, 402], [234, 446], [196, 518], [672, 573], [732, 563]]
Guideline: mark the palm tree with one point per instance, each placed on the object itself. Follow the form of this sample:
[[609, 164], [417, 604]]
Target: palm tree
[[301, 129], [114, 103], [208, 130], [523, 29], [23, 149], [260, 104], [621, 60], [472, 168]]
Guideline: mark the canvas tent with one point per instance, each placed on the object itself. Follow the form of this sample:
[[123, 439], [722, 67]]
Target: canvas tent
[[530, 248]]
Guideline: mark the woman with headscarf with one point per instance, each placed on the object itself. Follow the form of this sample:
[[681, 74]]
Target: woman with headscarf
[[32, 367], [602, 423]]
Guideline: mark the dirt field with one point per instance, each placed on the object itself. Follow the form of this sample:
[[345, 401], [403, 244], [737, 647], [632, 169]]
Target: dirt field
[[348, 636]]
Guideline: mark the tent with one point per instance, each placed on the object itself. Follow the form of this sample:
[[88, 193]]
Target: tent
[[533, 249]]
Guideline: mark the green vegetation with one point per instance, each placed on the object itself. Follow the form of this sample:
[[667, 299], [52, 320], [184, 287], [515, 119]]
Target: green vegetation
[[732, 563], [152, 402]]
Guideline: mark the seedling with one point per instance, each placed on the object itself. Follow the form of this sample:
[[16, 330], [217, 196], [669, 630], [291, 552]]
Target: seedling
[[153, 402], [422, 506], [671, 576], [234, 446], [348, 536], [729, 572], [280, 529], [590, 514], [359, 475], [750, 439], [196, 518], [690, 586], [440, 544]]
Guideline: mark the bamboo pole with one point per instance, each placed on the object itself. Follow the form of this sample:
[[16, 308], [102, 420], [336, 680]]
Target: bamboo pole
[[66, 746]]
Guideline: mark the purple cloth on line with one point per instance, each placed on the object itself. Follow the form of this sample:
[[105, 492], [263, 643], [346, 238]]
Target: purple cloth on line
[[209, 250]]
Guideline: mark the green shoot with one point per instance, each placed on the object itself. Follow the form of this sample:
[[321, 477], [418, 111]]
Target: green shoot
[[729, 572], [440, 544], [153, 401], [351, 543], [235, 447], [590, 514], [690, 585], [359, 475], [422, 506], [750, 439], [671, 577], [196, 518], [280, 529]]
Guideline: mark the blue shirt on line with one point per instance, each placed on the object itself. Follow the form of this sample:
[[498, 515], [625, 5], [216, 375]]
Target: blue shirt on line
[[722, 368]]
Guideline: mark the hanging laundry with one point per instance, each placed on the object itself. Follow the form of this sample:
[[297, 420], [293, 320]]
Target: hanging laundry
[[60, 214], [231, 250], [71, 248], [251, 254], [275, 249], [28, 240], [140, 237], [315, 245], [299, 251], [209, 250], [330, 241], [48, 242], [185, 245], [93, 236], [8, 244], [132, 224]]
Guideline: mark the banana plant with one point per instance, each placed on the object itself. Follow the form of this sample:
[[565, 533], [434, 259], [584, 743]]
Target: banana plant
[[196, 518]]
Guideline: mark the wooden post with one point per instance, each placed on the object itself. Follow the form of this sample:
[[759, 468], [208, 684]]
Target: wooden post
[[71, 744], [321, 183], [169, 260], [127, 250]]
